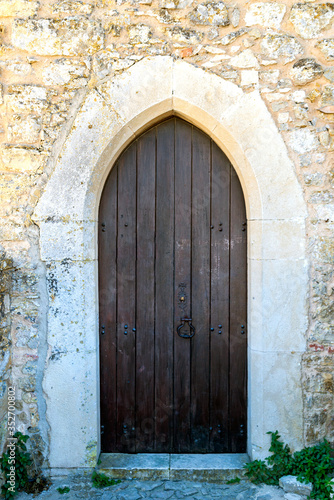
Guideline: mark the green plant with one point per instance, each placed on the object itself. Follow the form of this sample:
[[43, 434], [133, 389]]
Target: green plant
[[233, 481], [14, 465], [61, 490], [100, 480], [313, 464], [19, 470]]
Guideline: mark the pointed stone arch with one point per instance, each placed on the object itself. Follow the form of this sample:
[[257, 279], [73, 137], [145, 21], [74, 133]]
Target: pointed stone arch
[[110, 117]]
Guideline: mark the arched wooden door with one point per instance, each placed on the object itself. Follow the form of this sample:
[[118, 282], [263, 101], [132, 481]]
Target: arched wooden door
[[173, 295]]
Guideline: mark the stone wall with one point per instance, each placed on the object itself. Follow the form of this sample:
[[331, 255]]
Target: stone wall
[[5, 343], [53, 52]]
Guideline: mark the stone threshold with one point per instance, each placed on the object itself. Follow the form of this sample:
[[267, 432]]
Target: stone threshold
[[205, 467]]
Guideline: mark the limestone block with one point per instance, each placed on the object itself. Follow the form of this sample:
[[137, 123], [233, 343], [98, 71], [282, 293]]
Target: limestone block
[[269, 167], [278, 305], [327, 97], [310, 20], [170, 4], [249, 77], [24, 129], [277, 45], [277, 239], [72, 311], [131, 91], [227, 39], [140, 33], [235, 17], [106, 62], [69, 72], [329, 74], [290, 484], [210, 14], [270, 76], [182, 35], [275, 378], [72, 7], [18, 8], [26, 99], [68, 37], [267, 14], [323, 250], [327, 48], [72, 440], [325, 212], [66, 240], [95, 124], [303, 140], [216, 102], [22, 160], [245, 60], [305, 71], [18, 67]]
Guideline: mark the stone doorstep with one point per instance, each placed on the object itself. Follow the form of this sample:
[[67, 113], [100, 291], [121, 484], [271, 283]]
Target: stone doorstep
[[206, 467]]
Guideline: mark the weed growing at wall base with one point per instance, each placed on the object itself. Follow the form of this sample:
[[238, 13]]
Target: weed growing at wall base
[[100, 480], [313, 464], [16, 467]]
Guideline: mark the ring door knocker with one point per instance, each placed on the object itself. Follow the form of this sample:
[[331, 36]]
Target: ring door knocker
[[191, 328]]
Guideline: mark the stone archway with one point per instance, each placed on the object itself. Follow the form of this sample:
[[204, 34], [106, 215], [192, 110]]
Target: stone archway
[[111, 116]]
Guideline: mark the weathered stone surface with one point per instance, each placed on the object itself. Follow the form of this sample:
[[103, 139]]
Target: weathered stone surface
[[267, 14], [309, 20], [106, 62], [18, 8], [140, 33], [235, 17], [69, 37], [249, 77], [245, 60], [303, 140], [26, 99], [18, 67], [21, 159], [211, 13], [327, 97], [71, 72], [227, 39], [172, 4], [72, 7], [275, 45], [290, 484], [329, 74], [24, 129], [179, 34], [327, 48], [305, 71]]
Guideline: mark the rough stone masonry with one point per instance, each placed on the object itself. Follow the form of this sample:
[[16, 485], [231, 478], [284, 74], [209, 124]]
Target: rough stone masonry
[[53, 52]]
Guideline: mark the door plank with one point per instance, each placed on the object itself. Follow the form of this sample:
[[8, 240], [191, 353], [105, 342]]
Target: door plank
[[145, 323], [200, 343], [219, 369], [164, 287], [238, 311], [126, 300], [183, 137], [107, 235]]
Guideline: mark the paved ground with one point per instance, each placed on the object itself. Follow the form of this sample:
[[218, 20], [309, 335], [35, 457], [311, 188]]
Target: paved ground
[[81, 488]]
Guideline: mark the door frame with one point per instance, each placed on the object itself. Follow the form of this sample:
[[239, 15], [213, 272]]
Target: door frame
[[108, 118]]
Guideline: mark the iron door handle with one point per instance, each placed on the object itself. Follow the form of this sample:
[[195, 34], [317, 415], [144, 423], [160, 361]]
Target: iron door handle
[[186, 335]]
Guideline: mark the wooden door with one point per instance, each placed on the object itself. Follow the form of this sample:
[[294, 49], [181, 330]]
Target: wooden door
[[173, 295]]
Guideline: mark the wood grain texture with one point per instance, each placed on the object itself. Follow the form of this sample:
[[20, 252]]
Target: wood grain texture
[[173, 246]]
